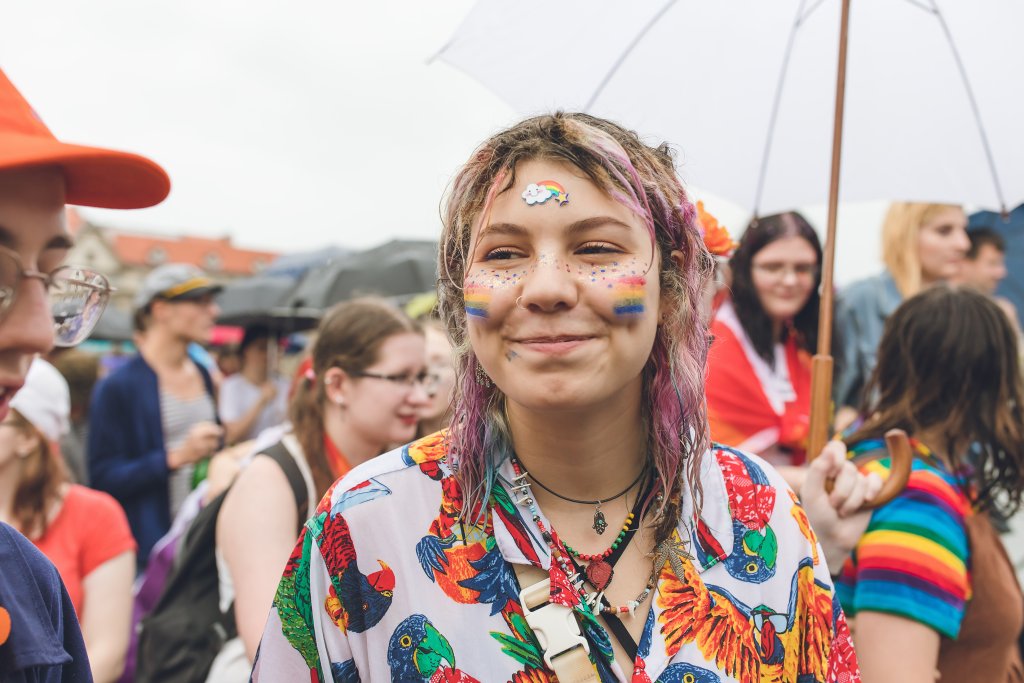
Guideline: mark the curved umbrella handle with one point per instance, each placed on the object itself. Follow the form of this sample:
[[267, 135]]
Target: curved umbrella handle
[[901, 458]]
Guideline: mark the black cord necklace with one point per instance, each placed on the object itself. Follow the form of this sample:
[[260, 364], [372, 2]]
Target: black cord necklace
[[600, 524]]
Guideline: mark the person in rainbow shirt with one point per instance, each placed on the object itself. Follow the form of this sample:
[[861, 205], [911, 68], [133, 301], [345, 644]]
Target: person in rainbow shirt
[[929, 583]]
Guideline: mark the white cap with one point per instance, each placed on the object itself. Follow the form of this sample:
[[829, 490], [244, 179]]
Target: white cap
[[45, 400]]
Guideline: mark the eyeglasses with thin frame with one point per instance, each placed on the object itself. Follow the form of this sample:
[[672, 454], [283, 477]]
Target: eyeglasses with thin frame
[[428, 380], [77, 296], [779, 270]]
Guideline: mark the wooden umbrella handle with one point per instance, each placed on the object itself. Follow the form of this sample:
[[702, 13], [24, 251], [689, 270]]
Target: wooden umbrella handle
[[901, 459]]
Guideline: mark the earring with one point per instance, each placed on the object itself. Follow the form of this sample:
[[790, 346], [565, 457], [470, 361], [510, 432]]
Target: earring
[[519, 303], [481, 376]]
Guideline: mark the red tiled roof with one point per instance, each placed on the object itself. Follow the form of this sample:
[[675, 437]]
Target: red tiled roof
[[214, 255]]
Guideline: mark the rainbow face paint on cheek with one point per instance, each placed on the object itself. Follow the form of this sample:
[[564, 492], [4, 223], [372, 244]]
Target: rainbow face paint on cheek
[[629, 295], [477, 299]]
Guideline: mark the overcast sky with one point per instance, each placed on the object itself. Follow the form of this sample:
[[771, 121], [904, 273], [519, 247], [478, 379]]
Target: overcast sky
[[285, 125]]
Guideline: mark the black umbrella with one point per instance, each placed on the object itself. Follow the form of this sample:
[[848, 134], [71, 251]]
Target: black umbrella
[[395, 269], [114, 325], [262, 300]]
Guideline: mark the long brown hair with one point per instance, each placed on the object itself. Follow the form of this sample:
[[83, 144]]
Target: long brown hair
[[349, 337], [39, 486], [948, 359]]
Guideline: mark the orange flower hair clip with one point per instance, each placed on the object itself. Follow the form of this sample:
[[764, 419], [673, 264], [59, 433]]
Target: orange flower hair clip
[[716, 237]]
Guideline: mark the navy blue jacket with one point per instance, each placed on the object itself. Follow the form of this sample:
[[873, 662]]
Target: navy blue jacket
[[126, 452], [45, 642]]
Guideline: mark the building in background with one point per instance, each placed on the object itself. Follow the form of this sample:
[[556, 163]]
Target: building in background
[[125, 257]]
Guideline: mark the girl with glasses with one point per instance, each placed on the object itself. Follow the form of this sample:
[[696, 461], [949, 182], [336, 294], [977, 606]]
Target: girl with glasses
[[363, 392], [763, 337]]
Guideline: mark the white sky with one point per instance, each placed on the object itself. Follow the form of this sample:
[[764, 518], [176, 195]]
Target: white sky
[[287, 125]]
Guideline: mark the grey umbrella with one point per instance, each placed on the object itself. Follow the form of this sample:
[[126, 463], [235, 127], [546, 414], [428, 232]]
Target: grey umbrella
[[263, 300], [114, 325], [395, 269]]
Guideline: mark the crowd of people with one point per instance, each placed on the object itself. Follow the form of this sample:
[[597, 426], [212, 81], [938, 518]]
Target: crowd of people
[[586, 458]]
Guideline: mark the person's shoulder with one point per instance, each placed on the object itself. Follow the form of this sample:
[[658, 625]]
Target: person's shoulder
[[20, 554], [126, 375], [930, 485], [742, 487], [874, 289], [90, 503], [421, 461]]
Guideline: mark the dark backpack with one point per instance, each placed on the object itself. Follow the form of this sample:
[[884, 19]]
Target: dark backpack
[[186, 630]]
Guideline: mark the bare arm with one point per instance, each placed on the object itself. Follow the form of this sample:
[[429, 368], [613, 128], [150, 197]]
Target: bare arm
[[107, 615], [892, 649], [256, 532]]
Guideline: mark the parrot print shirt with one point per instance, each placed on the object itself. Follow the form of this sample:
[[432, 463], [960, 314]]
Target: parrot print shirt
[[391, 582]]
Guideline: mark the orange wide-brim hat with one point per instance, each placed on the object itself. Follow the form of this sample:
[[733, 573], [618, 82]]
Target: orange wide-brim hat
[[94, 177]]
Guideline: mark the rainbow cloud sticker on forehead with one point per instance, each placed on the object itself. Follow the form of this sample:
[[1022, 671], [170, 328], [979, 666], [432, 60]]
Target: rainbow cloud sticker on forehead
[[538, 193]]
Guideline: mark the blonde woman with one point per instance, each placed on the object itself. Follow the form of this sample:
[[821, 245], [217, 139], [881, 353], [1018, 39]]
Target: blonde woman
[[922, 244]]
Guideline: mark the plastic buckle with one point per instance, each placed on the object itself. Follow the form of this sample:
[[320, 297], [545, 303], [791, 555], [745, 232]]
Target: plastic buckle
[[555, 625]]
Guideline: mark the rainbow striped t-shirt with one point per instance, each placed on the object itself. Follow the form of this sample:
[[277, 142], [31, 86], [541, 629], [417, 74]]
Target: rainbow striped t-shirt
[[913, 559]]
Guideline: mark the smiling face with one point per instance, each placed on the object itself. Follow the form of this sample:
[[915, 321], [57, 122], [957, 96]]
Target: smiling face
[[942, 244], [384, 412], [561, 297], [784, 274], [32, 224]]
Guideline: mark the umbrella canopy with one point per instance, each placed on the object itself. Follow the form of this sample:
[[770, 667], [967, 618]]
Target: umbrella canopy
[[395, 269], [262, 300], [114, 325], [745, 90]]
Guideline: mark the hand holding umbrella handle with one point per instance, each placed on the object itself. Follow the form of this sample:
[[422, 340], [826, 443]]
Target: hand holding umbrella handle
[[901, 459]]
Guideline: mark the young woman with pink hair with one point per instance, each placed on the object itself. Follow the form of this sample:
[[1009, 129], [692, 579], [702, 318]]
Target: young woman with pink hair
[[574, 520]]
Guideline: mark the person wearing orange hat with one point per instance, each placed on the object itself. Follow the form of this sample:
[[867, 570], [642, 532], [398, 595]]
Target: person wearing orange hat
[[43, 304]]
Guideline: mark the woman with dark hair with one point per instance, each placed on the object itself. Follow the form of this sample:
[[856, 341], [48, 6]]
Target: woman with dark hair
[[759, 376], [929, 582], [572, 274], [363, 392]]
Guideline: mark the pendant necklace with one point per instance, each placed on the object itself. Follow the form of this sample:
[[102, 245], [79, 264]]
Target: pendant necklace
[[601, 574], [600, 523]]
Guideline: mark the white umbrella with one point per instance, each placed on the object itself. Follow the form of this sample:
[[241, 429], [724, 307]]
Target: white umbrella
[[746, 90], [934, 109]]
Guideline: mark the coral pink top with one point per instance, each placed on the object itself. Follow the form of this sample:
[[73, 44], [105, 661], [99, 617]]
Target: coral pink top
[[90, 529]]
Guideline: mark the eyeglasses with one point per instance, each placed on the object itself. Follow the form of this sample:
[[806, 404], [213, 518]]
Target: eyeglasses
[[428, 380], [77, 296], [778, 270]]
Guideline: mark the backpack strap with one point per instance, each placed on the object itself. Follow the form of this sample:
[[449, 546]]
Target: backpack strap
[[280, 454]]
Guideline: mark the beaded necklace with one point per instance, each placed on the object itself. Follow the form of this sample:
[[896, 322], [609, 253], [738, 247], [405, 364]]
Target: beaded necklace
[[600, 577]]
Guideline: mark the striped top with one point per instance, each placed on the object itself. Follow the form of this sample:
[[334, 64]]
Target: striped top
[[913, 559], [179, 416]]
